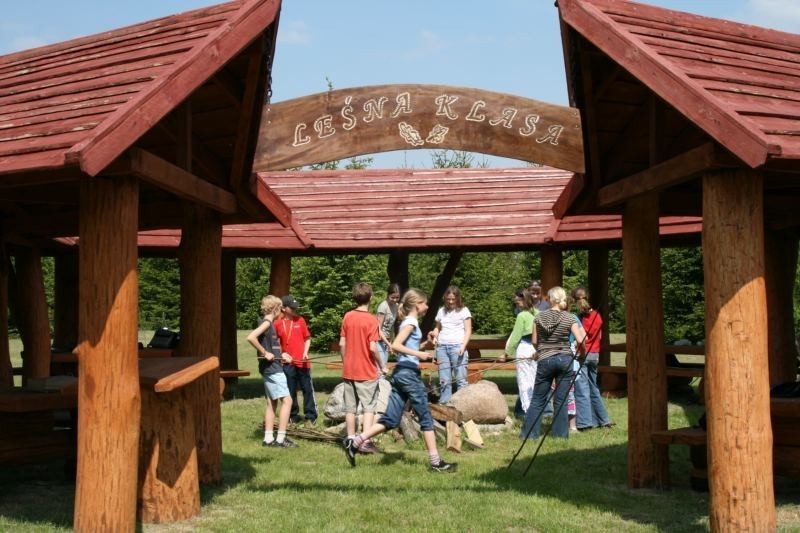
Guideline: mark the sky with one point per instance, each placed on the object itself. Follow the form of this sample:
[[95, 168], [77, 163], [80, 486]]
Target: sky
[[510, 46]]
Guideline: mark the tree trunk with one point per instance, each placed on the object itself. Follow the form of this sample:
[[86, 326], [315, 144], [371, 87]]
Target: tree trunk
[[108, 377], [781, 267], [65, 312], [397, 269], [228, 342], [647, 379], [442, 282], [34, 322], [552, 268], [201, 301], [280, 274], [737, 366], [598, 293]]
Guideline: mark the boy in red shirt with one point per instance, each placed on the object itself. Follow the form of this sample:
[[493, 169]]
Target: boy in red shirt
[[358, 343], [296, 340]]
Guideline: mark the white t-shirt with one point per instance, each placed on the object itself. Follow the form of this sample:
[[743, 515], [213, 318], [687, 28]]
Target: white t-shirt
[[452, 331]]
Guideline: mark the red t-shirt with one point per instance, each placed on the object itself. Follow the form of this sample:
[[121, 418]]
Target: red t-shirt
[[359, 329], [293, 333], [593, 324]]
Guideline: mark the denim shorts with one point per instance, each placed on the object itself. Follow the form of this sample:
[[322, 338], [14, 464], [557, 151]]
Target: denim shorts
[[275, 386]]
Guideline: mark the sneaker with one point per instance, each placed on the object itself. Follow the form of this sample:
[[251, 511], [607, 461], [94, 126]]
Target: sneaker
[[369, 448], [350, 450], [443, 466], [285, 444]]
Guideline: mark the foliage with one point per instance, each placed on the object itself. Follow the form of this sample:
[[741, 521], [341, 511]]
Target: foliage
[[252, 284], [159, 293], [682, 287]]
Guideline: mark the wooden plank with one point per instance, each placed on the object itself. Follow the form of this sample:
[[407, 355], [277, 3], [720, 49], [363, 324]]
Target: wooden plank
[[671, 84], [25, 401], [690, 436], [128, 123], [346, 122], [169, 374], [174, 179], [273, 202]]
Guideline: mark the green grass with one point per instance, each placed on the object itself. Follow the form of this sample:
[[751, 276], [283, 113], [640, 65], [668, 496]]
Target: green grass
[[577, 484]]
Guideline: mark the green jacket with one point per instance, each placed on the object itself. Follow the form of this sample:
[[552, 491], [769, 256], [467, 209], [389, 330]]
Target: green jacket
[[523, 326]]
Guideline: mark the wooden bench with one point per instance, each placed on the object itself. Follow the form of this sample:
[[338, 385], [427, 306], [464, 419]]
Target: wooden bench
[[615, 378], [229, 378], [785, 416]]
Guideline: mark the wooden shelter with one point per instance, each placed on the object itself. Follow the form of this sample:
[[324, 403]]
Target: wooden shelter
[[399, 212], [149, 126], [691, 115]]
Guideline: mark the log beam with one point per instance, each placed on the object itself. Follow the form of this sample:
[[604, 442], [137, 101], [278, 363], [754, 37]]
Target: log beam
[[552, 267], [200, 258], [34, 322], [647, 379], [737, 366], [780, 260], [280, 273], [674, 171], [108, 377]]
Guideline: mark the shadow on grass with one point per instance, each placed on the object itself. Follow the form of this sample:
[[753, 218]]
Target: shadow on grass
[[42, 494]]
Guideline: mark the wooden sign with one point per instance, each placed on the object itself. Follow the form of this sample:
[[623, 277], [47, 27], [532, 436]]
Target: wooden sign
[[365, 120]]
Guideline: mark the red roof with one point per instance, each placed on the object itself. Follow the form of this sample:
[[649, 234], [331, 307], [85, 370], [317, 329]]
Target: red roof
[[379, 210], [739, 83], [86, 100]]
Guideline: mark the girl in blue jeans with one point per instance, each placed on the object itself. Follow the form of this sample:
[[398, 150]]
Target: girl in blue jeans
[[406, 384], [554, 357], [451, 336]]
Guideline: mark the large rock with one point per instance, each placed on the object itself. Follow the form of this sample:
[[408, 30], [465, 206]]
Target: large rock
[[481, 402], [334, 407]]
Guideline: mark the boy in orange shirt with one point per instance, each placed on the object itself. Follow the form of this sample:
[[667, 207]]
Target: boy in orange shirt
[[358, 342]]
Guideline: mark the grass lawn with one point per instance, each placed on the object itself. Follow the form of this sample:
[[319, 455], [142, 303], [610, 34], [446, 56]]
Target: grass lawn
[[577, 484]]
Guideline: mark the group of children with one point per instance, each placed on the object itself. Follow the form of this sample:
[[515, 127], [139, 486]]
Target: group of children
[[366, 342]]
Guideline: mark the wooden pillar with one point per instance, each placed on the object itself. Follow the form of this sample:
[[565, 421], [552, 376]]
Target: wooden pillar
[[201, 302], [781, 266], [228, 359], [598, 292], [442, 282], [397, 269], [644, 327], [65, 311], [6, 370], [280, 273], [552, 268], [108, 377], [737, 366], [33, 319]]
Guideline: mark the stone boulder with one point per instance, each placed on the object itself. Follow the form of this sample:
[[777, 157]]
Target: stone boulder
[[334, 407], [481, 402]]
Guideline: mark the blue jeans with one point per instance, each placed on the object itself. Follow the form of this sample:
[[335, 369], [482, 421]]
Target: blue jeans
[[450, 363], [591, 411], [558, 367], [407, 386]]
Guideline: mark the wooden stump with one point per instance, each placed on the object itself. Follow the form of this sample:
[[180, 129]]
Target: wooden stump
[[737, 366], [169, 488]]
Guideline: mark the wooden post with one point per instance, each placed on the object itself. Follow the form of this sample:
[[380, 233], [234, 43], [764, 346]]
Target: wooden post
[[280, 273], [34, 322], [552, 268], [65, 312], [108, 376], [442, 282], [397, 269], [781, 266], [201, 302], [647, 379], [598, 293], [6, 370], [228, 343], [737, 366]]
